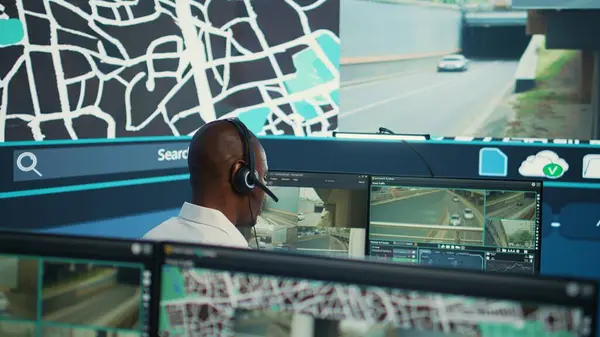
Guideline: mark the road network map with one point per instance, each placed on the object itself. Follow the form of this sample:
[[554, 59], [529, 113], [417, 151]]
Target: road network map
[[128, 68], [199, 302]]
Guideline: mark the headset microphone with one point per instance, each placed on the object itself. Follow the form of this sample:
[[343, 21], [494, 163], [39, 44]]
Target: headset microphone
[[268, 191]]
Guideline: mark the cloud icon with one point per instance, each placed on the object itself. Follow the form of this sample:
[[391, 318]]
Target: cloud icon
[[544, 164]]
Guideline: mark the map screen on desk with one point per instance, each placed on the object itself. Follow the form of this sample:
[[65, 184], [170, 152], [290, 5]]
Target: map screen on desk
[[203, 302]]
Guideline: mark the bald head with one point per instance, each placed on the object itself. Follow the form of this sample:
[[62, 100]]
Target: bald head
[[216, 152]]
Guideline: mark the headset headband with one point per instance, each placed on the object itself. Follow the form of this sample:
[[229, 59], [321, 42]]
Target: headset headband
[[248, 153], [249, 157]]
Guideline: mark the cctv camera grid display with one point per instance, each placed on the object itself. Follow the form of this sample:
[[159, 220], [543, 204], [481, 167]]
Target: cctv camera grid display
[[466, 220], [316, 213], [68, 297]]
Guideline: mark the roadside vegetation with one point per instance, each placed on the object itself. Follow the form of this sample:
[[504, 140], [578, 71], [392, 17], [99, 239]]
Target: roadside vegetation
[[553, 109]]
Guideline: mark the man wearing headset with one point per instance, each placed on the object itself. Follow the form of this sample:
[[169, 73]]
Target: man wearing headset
[[228, 166]]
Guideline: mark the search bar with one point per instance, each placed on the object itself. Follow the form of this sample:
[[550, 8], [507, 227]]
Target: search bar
[[70, 162]]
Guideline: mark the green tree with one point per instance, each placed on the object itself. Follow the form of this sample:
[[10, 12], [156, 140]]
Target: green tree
[[520, 238]]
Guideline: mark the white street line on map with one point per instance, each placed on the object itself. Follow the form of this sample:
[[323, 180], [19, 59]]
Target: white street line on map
[[197, 58], [59, 72]]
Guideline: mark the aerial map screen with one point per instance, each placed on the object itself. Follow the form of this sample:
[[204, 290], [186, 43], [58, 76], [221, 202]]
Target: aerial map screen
[[197, 301], [74, 297], [76, 69], [317, 213], [468, 224]]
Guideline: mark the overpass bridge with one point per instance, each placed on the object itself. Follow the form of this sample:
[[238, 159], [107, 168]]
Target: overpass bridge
[[495, 19]]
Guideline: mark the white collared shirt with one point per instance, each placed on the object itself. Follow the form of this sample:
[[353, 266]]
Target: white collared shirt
[[197, 224]]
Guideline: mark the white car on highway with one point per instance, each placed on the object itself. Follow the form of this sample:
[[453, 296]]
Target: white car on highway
[[455, 199], [455, 220], [468, 214], [453, 63], [301, 216]]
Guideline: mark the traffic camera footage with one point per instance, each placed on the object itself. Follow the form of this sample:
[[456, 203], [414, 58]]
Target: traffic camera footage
[[456, 223]]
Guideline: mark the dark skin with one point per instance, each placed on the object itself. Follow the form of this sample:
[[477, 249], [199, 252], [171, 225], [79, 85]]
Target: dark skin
[[215, 154]]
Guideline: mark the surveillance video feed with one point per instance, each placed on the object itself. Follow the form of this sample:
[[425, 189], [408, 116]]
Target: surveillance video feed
[[311, 220], [456, 223], [91, 294], [317, 213], [18, 288], [427, 214], [18, 329], [461, 68], [510, 233], [510, 205], [84, 332]]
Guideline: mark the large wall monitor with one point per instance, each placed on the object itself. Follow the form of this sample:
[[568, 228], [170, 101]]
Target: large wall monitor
[[317, 213], [209, 291], [457, 223], [69, 286]]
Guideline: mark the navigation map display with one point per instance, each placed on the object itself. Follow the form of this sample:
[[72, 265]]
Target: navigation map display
[[71, 296], [470, 224], [317, 213], [197, 300]]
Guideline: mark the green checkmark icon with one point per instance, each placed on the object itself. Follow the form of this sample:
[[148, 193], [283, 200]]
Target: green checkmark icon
[[553, 171]]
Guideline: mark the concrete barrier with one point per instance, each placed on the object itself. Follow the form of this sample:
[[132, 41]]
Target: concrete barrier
[[525, 76], [393, 30]]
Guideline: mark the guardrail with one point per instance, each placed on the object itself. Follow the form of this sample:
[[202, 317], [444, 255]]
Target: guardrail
[[412, 237], [431, 227]]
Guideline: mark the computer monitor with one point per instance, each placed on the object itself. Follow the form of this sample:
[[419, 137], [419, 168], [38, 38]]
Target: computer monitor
[[317, 213], [486, 225], [56, 286], [211, 291]]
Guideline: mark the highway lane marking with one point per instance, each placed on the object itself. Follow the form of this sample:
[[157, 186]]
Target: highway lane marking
[[488, 111], [393, 98], [348, 85], [408, 94]]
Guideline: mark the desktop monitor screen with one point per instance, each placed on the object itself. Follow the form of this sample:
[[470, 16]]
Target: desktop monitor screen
[[69, 286], [471, 224], [317, 213], [210, 291]]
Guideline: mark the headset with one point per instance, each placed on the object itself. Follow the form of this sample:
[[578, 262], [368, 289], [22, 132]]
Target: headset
[[246, 178]]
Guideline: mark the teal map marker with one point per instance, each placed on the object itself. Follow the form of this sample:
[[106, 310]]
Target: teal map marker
[[11, 32]]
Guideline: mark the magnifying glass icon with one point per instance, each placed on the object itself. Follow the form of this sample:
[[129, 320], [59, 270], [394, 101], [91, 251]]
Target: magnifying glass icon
[[31, 166]]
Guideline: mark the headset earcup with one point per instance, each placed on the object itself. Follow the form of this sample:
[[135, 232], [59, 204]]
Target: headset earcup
[[241, 182]]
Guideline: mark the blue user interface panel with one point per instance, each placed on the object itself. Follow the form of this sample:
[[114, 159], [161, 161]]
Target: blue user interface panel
[[128, 204], [457, 223]]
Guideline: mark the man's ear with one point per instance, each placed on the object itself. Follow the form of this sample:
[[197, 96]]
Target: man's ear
[[235, 168]]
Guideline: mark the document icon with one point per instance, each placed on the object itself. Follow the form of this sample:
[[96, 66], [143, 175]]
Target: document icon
[[492, 162], [591, 166]]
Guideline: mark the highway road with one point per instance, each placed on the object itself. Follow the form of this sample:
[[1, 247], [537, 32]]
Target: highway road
[[310, 219], [512, 207], [423, 101], [425, 209], [92, 308], [281, 219]]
